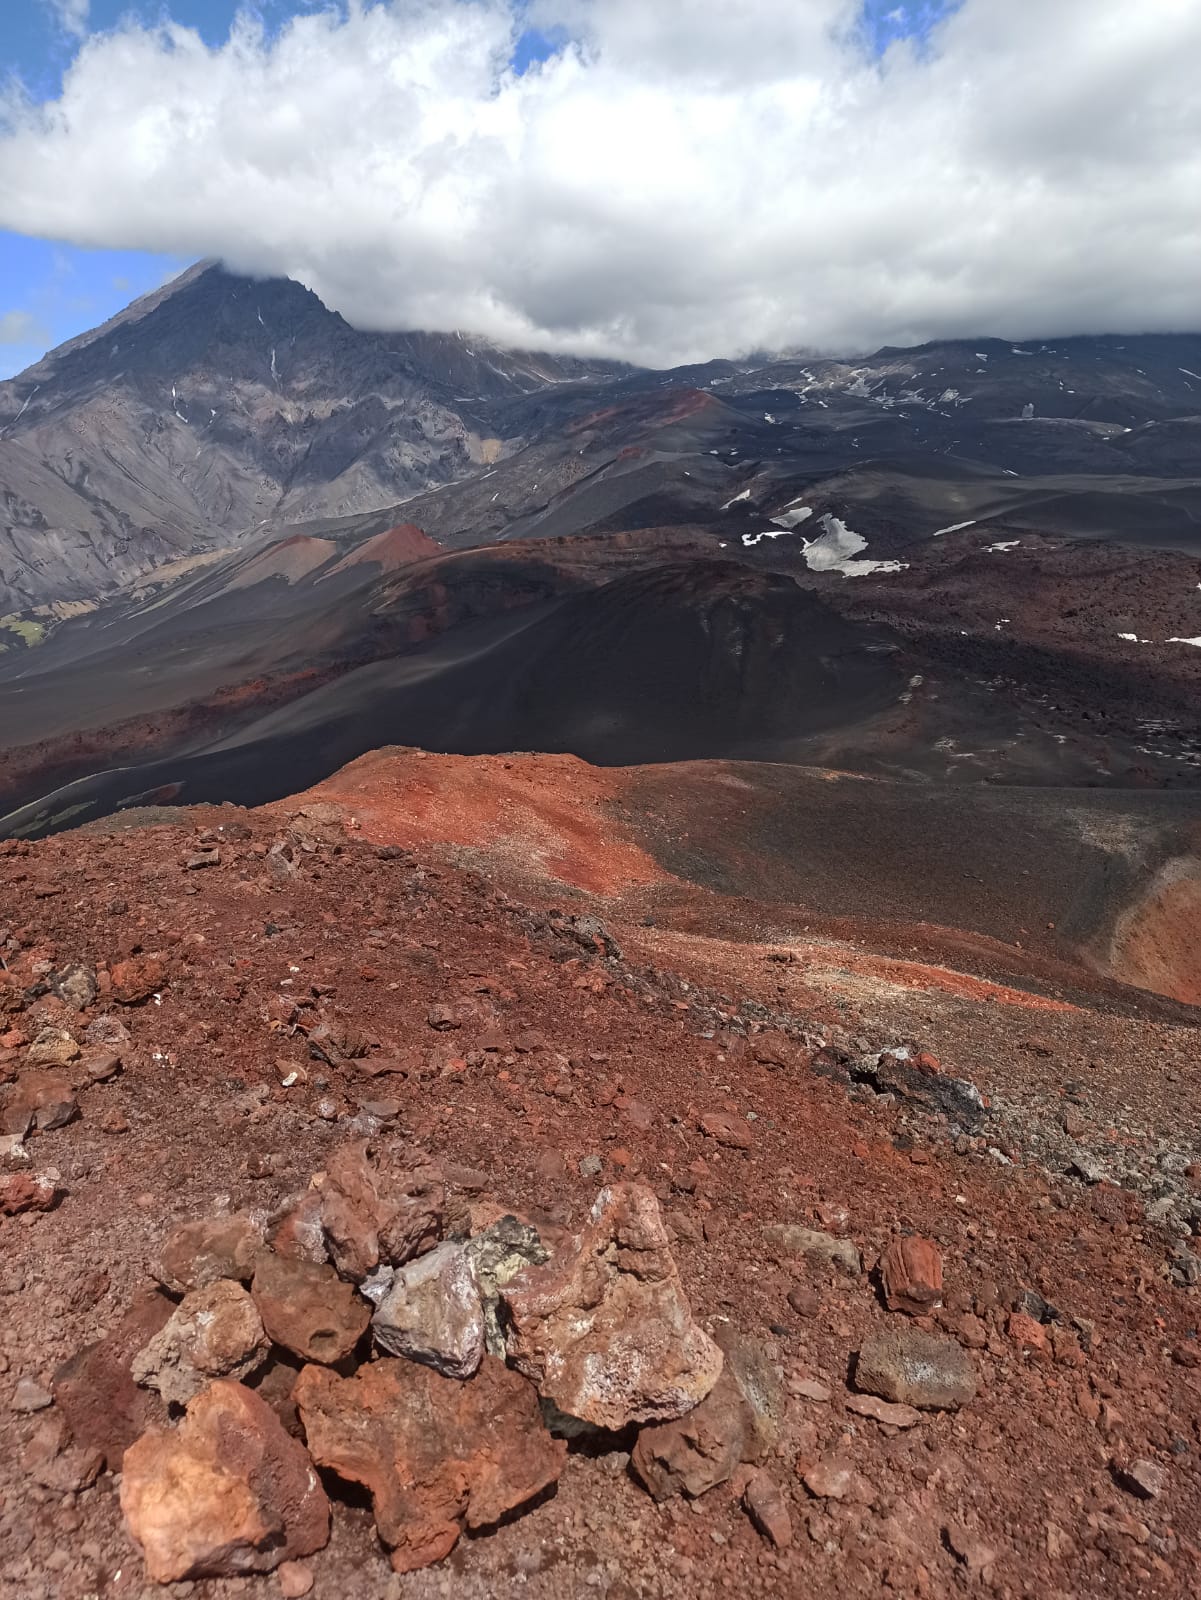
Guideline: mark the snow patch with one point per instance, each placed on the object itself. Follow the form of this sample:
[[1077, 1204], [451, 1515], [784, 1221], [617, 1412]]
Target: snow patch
[[836, 549], [789, 520], [751, 539], [746, 495], [1196, 642], [1004, 544], [954, 528], [34, 391]]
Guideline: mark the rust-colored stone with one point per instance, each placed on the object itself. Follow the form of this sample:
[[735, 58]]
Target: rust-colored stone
[[226, 1493], [381, 1202], [911, 1276], [95, 1389], [308, 1309], [197, 1254], [433, 1452], [137, 979]]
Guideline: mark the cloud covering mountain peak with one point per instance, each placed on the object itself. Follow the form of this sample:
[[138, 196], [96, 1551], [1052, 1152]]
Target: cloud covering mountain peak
[[674, 182]]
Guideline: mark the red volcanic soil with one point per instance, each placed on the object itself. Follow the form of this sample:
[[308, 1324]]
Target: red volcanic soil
[[1155, 945], [394, 548], [537, 1062], [536, 817], [291, 559]]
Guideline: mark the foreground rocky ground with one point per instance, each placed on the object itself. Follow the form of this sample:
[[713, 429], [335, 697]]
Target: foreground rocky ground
[[858, 1276]]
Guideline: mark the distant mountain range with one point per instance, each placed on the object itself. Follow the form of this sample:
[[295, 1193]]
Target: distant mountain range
[[220, 410]]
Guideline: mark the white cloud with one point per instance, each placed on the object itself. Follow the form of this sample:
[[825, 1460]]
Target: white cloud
[[22, 328], [684, 180], [71, 15]]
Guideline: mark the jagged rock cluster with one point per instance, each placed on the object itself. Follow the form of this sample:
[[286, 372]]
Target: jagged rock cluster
[[447, 1354]]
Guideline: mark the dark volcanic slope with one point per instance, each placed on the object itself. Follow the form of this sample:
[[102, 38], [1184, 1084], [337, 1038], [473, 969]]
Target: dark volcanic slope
[[705, 659]]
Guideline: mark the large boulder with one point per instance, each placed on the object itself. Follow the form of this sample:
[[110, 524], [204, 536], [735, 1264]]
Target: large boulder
[[433, 1453], [226, 1493], [604, 1330]]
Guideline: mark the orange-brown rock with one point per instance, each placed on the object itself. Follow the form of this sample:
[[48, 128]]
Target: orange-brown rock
[[137, 979], [737, 1421], [381, 1202], [197, 1254], [911, 1276], [43, 1100], [604, 1330], [228, 1492], [28, 1191], [308, 1309], [434, 1453]]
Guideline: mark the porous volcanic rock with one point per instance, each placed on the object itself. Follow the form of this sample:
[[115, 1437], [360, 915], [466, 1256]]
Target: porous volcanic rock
[[308, 1309], [434, 1454], [604, 1330], [226, 1493]]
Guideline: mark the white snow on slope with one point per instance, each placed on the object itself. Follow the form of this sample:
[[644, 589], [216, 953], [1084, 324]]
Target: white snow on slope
[[835, 550], [1004, 544], [954, 528], [745, 495], [750, 539], [788, 520], [1196, 642]]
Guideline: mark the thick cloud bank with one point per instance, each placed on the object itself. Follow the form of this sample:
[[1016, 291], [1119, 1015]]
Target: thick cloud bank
[[682, 179]]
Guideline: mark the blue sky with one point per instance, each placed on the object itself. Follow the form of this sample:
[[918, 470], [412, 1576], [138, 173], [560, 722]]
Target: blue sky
[[50, 291]]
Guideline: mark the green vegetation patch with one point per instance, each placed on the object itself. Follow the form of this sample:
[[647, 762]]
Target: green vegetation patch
[[25, 628]]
